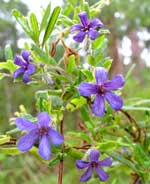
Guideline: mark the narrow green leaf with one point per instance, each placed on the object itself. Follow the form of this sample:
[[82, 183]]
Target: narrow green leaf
[[126, 162], [71, 64], [80, 135], [34, 26], [51, 24], [23, 22], [45, 17], [4, 139], [8, 52], [53, 162], [10, 151]]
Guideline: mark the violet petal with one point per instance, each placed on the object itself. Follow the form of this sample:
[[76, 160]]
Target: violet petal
[[87, 89], [18, 72], [87, 175], [44, 147], [98, 108], [101, 75], [81, 164], [106, 162], [27, 141], [25, 54], [30, 70], [84, 19], [19, 61], [79, 36], [76, 27], [24, 124], [44, 119], [94, 155], [103, 176], [117, 82], [96, 23], [55, 137], [93, 34], [114, 100]]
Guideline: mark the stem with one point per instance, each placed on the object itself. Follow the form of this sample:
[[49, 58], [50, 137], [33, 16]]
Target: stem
[[60, 174]]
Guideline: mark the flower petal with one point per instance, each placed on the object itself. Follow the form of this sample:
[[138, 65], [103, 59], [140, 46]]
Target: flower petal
[[106, 162], [30, 70], [98, 108], [93, 34], [96, 23], [87, 175], [18, 61], [87, 89], [84, 19], [44, 148], [81, 164], [18, 72], [114, 100], [25, 54], [24, 124], [79, 36], [44, 119], [117, 82], [27, 141], [103, 176], [101, 75], [55, 137], [76, 27], [94, 155]]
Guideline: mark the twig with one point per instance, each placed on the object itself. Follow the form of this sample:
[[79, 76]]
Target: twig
[[133, 121], [62, 151]]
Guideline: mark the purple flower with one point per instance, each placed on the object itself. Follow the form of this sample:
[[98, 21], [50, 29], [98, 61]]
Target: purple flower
[[103, 91], [26, 68], [94, 163], [86, 28], [38, 131]]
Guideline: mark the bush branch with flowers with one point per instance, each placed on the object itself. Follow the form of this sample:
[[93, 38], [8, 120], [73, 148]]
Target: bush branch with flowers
[[75, 84]]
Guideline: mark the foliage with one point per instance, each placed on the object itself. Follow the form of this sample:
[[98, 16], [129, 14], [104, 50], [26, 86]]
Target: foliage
[[117, 134]]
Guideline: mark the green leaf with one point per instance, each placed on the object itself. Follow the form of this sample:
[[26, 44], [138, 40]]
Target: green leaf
[[53, 161], [8, 52], [107, 63], [80, 135], [4, 139], [51, 24], [71, 64], [9, 65], [87, 120], [126, 162], [91, 60], [141, 155], [97, 43], [23, 22], [10, 151], [45, 17], [34, 27], [76, 103], [76, 154]]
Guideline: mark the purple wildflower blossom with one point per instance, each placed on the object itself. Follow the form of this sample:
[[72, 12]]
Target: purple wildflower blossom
[[86, 28], [103, 91], [94, 163], [26, 68], [41, 131]]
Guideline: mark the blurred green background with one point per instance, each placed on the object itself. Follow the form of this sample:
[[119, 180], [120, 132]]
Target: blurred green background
[[128, 46]]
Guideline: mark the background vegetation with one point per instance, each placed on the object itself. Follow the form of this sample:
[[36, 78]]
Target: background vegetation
[[129, 25]]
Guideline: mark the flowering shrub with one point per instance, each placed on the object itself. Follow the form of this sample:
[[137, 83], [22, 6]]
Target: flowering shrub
[[75, 86]]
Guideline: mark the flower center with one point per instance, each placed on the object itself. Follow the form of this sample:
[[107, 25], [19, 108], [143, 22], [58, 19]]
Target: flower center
[[101, 90], [86, 28], [94, 164], [43, 131]]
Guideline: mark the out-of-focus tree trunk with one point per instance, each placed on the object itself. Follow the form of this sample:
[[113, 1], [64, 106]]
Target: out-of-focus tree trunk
[[116, 67]]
